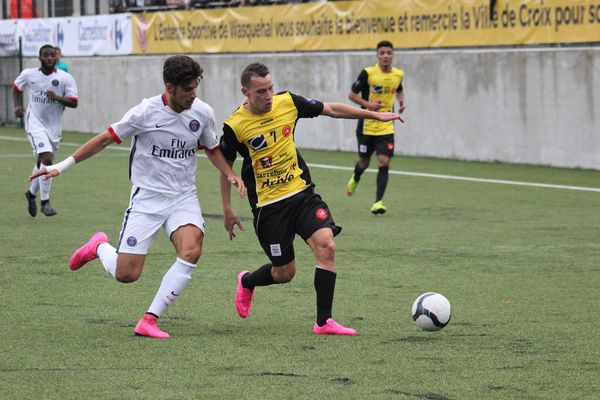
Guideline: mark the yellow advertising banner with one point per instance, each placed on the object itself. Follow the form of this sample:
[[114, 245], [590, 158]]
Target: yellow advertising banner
[[353, 25]]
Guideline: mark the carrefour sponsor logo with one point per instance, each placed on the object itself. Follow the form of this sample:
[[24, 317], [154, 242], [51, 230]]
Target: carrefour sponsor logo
[[89, 34], [280, 180], [40, 34]]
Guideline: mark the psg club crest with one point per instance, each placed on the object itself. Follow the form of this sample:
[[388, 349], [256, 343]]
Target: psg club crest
[[321, 213], [194, 125], [54, 82], [131, 241]]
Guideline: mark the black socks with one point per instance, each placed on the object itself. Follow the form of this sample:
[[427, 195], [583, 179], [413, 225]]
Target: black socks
[[324, 286], [260, 277], [382, 180]]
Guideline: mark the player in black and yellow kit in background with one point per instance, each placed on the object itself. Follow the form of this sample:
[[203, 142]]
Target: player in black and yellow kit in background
[[280, 189], [375, 89]]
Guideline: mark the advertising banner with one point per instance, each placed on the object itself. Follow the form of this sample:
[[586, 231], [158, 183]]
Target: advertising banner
[[77, 36], [8, 37], [353, 25]]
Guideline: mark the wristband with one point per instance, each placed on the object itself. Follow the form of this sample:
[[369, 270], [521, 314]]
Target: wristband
[[61, 166]]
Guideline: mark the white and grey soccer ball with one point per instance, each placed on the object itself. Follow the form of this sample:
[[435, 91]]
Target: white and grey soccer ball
[[431, 311]]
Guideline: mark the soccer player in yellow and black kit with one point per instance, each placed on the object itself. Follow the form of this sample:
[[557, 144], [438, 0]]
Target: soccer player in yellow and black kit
[[280, 189], [375, 89]]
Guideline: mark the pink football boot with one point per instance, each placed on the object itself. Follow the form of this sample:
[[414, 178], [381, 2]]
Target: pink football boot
[[147, 327], [333, 328], [87, 252], [243, 297]]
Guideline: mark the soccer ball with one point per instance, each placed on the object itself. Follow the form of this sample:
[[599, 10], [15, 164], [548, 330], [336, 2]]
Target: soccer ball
[[431, 311]]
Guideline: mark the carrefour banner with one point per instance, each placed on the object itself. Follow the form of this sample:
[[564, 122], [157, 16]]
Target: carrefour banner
[[8, 35], [348, 25], [76, 36]]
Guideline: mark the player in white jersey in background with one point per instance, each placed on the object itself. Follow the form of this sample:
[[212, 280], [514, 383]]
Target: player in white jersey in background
[[50, 91], [166, 132]]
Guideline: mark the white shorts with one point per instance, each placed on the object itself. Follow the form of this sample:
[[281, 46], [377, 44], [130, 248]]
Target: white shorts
[[42, 143], [149, 211]]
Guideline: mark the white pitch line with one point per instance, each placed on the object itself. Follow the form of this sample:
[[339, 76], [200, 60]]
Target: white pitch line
[[405, 173]]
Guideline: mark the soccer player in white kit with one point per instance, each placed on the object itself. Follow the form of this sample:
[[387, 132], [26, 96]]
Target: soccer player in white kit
[[50, 91], [166, 132]]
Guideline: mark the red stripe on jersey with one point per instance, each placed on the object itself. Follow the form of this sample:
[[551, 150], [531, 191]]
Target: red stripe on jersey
[[217, 147], [14, 85], [114, 135], [73, 98]]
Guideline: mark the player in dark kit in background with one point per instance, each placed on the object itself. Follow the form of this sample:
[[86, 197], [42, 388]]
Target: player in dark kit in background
[[375, 89], [280, 189]]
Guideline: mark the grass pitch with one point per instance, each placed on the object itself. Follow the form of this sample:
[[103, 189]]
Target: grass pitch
[[518, 263]]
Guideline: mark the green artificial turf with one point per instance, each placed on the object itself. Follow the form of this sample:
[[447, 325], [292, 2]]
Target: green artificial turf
[[519, 264]]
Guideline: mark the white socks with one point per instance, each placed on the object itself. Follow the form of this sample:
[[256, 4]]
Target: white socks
[[108, 257], [173, 283], [35, 185], [44, 187]]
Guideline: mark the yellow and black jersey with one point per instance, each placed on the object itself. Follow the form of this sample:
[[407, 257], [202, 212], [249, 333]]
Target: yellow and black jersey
[[273, 169], [373, 84]]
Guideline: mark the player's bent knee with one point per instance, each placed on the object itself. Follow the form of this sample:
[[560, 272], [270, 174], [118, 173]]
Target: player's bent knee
[[126, 277], [283, 275], [127, 273], [327, 249], [191, 255]]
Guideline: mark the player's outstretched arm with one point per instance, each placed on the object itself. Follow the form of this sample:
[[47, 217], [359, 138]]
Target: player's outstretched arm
[[88, 149], [216, 157], [341, 110], [230, 219]]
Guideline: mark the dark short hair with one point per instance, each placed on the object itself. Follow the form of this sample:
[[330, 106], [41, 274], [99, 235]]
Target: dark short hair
[[385, 43], [46, 46], [181, 69], [254, 69]]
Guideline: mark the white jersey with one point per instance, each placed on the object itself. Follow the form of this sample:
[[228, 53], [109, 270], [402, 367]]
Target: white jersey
[[164, 143], [43, 114]]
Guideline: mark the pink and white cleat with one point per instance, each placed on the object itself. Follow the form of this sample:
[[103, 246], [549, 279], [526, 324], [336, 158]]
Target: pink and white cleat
[[333, 328], [243, 297], [87, 252], [147, 327]]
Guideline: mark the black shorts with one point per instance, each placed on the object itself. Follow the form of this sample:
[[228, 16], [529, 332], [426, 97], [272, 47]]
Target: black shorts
[[367, 144], [277, 224]]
